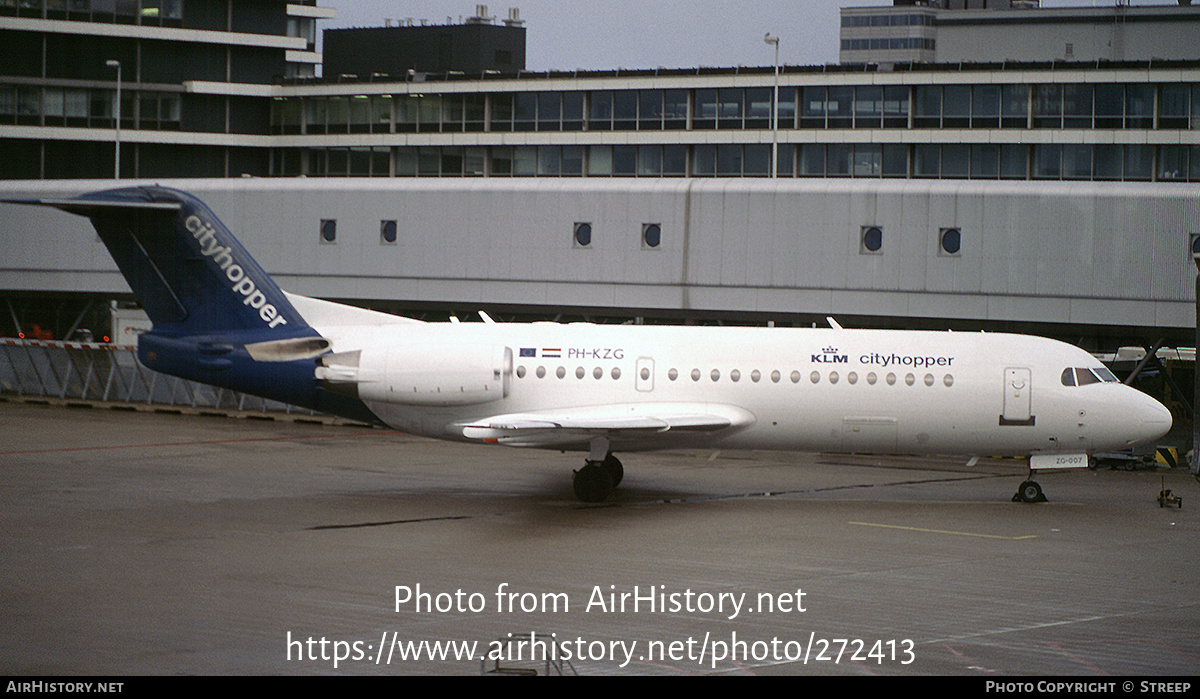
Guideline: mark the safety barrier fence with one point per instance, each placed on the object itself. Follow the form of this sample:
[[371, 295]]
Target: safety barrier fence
[[90, 371]]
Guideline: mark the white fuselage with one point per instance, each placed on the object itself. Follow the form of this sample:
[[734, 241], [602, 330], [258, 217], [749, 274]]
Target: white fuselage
[[870, 391]]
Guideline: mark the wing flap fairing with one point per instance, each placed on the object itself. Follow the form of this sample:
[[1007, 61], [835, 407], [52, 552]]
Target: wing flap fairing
[[613, 422]]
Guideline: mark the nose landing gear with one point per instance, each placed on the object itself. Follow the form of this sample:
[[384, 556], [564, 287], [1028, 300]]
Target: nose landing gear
[[1029, 491]]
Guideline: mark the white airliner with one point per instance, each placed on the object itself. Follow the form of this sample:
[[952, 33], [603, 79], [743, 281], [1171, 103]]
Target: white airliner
[[220, 319]]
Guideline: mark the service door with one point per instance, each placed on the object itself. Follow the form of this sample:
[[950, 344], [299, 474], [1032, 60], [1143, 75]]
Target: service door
[[1016, 396], [645, 374]]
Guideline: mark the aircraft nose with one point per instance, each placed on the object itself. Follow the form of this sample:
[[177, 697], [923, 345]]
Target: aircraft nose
[[1152, 420]]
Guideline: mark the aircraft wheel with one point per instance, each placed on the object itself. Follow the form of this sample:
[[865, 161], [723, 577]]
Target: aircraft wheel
[[1030, 491], [593, 483], [615, 470]]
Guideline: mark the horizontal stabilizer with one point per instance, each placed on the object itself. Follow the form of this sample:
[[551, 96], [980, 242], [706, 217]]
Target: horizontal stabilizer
[[89, 207]]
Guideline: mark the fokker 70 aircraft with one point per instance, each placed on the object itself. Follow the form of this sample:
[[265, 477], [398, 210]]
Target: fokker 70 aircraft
[[219, 319]]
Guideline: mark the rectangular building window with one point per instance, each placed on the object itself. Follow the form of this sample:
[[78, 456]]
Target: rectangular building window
[[927, 160], [956, 107], [705, 116], [868, 160], [625, 110], [985, 106], [895, 107], [811, 160], [572, 111], [549, 111], [675, 109], [1173, 163], [600, 111], [868, 107], [1014, 109], [1014, 162], [675, 160], [599, 161], [650, 110], [812, 108], [1107, 162], [927, 107], [1077, 106], [1047, 106]]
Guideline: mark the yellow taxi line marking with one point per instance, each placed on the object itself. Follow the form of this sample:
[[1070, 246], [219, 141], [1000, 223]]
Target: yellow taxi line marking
[[942, 531]]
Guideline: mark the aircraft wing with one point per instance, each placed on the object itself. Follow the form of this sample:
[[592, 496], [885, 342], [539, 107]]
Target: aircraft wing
[[644, 422]]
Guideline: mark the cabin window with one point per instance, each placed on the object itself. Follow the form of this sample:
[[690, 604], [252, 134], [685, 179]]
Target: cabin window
[[716, 375], [541, 372], [755, 376], [597, 373], [929, 379], [616, 373], [910, 379], [891, 379], [871, 378], [948, 380], [852, 378], [735, 375], [695, 374], [833, 377], [520, 372], [561, 372], [775, 376], [579, 372], [672, 374]]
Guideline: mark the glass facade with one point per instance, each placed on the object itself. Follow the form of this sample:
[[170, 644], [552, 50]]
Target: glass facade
[[918, 116]]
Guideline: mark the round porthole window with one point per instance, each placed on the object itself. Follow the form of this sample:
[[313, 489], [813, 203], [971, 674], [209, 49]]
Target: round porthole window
[[652, 235], [328, 231], [872, 239], [951, 241], [583, 234], [387, 232]]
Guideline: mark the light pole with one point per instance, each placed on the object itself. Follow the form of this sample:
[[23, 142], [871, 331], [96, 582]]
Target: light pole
[[1194, 466], [112, 63], [774, 108]]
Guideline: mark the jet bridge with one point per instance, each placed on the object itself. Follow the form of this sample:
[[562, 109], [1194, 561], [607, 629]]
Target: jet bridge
[[93, 372]]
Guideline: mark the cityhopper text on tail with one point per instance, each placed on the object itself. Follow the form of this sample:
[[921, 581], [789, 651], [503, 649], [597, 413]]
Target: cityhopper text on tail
[[218, 318]]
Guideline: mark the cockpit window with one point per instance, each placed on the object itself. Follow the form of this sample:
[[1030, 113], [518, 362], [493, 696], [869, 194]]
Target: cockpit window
[[1081, 376]]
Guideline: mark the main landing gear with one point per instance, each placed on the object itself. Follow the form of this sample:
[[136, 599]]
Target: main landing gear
[[596, 480]]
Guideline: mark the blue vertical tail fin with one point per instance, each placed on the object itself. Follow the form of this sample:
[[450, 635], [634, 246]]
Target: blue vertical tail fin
[[218, 317], [185, 267]]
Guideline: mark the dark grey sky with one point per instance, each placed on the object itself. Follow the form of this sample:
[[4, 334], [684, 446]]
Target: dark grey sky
[[605, 34]]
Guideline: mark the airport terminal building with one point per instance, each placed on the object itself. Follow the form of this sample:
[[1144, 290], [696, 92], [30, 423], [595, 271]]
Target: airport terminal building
[[1051, 191]]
